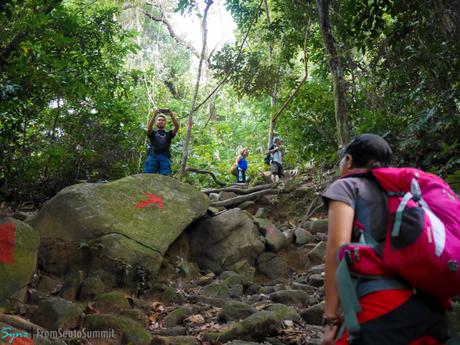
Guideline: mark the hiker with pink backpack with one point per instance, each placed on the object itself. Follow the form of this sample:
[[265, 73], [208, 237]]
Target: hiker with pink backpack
[[393, 251]]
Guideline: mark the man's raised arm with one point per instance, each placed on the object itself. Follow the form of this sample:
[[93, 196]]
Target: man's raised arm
[[175, 123], [152, 121]]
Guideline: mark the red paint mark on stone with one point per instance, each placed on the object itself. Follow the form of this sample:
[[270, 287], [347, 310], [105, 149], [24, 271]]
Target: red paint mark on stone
[[7, 242], [151, 199]]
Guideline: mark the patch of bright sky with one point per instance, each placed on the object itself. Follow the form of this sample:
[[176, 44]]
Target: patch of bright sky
[[221, 27]]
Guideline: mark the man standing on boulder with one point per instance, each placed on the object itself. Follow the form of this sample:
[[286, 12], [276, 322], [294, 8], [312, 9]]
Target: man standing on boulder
[[158, 160]]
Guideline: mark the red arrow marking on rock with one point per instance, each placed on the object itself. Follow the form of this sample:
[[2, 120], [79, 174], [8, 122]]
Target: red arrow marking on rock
[[151, 199], [7, 242]]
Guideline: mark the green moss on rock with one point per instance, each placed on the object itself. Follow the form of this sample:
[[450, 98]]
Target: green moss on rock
[[111, 302], [131, 331]]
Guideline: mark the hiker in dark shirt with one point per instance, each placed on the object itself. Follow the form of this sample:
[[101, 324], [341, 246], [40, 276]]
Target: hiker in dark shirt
[[158, 160]]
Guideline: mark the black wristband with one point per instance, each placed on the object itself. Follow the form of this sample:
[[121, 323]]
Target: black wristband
[[331, 321]]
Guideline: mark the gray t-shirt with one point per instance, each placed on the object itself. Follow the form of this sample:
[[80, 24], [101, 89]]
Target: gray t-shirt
[[368, 200], [278, 156]]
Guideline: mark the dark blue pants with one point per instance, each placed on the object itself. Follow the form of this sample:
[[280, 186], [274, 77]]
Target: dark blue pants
[[157, 164]]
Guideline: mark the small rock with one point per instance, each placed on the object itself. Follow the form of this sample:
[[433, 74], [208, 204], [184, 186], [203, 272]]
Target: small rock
[[177, 316], [292, 297], [305, 287], [244, 269], [261, 212], [226, 195], [253, 289], [36, 296], [57, 313], [132, 332], [314, 314], [275, 239], [283, 312], [218, 290], [317, 269], [215, 302], [288, 323], [234, 310], [111, 302], [173, 331], [289, 235], [197, 319], [302, 236], [213, 197], [319, 237], [272, 266], [316, 255], [268, 289], [206, 279], [316, 280], [254, 328], [317, 226]]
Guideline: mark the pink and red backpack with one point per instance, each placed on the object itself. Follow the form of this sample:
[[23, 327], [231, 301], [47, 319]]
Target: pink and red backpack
[[422, 245]]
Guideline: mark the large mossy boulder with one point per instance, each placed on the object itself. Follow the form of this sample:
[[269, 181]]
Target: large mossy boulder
[[121, 224], [219, 242], [18, 258]]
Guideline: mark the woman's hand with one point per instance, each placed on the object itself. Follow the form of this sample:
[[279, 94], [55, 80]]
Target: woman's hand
[[330, 333]]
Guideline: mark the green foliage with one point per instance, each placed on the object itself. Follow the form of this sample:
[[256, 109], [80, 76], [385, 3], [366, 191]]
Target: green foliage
[[251, 77], [77, 85], [65, 112], [454, 181], [412, 77], [185, 6]]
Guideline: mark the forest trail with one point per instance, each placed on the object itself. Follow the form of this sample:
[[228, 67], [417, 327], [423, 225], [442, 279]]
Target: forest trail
[[274, 297], [275, 300]]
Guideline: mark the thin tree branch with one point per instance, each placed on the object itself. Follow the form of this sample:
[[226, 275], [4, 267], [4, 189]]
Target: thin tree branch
[[199, 171], [305, 58], [171, 31], [204, 31], [223, 81], [240, 199], [238, 190]]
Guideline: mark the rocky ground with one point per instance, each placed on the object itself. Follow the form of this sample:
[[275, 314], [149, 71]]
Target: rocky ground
[[232, 308], [245, 274]]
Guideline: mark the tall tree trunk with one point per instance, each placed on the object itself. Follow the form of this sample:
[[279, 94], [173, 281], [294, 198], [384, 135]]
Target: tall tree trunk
[[204, 26], [341, 116], [271, 128], [212, 109]]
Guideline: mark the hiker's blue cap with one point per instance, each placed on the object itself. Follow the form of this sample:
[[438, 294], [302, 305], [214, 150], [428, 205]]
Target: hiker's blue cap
[[368, 147]]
